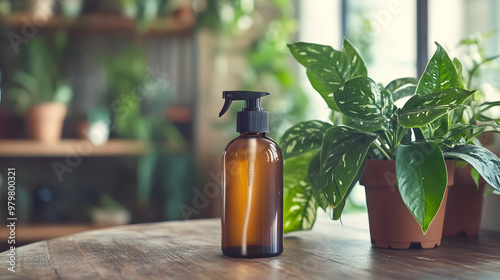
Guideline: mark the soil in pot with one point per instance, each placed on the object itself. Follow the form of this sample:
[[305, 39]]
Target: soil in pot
[[391, 223], [465, 204], [44, 121]]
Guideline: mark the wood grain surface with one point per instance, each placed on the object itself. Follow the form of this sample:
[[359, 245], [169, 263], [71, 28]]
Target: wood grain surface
[[31, 148], [191, 250]]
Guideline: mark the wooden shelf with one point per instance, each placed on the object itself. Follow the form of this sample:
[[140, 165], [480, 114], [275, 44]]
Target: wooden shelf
[[30, 148], [182, 20], [31, 233]]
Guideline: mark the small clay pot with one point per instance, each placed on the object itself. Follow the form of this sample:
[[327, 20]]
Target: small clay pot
[[391, 223], [465, 204], [44, 121]]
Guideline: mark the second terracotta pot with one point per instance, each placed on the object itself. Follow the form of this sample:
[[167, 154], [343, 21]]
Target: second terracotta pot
[[465, 204], [391, 223]]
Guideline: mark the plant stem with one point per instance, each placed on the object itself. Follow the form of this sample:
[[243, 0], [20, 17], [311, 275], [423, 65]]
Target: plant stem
[[400, 134], [390, 141], [383, 151], [473, 70]]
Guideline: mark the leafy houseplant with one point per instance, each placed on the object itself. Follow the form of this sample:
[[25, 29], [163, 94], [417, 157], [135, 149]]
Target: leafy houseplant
[[138, 101], [465, 201], [417, 136], [43, 91]]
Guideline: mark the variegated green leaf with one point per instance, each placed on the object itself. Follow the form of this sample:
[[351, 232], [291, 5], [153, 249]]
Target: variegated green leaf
[[421, 110], [324, 87], [303, 137], [299, 198], [372, 125], [458, 66], [342, 155], [439, 74], [313, 176], [328, 69], [485, 162], [356, 65], [362, 100], [421, 175], [337, 211]]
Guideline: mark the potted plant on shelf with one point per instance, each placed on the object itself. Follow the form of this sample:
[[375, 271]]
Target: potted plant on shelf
[[404, 147], [42, 91], [465, 201], [138, 100]]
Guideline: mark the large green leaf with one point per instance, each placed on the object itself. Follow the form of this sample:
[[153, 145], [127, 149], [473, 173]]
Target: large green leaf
[[458, 66], [342, 155], [369, 125], [314, 179], [356, 65], [421, 110], [360, 97], [422, 178], [369, 106], [303, 137], [485, 162], [439, 74], [299, 203], [324, 87], [337, 211], [328, 69]]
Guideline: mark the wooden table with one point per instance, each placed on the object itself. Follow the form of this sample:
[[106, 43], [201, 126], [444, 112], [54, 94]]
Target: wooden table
[[190, 250]]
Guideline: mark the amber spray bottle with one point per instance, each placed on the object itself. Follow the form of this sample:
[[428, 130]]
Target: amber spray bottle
[[252, 183]]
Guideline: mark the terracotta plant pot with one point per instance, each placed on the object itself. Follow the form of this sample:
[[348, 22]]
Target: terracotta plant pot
[[391, 223], [44, 121], [465, 204]]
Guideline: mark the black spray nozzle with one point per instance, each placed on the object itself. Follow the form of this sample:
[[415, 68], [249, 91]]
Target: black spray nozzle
[[252, 118], [252, 99]]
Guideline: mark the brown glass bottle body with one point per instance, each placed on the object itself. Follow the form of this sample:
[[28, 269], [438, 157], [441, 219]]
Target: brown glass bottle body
[[264, 221]]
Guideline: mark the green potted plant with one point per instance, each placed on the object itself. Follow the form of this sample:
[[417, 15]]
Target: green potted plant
[[411, 142], [42, 91], [138, 101], [465, 201], [96, 126], [109, 212]]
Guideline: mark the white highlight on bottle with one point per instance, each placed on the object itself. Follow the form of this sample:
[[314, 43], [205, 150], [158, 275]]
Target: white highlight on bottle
[[251, 154]]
